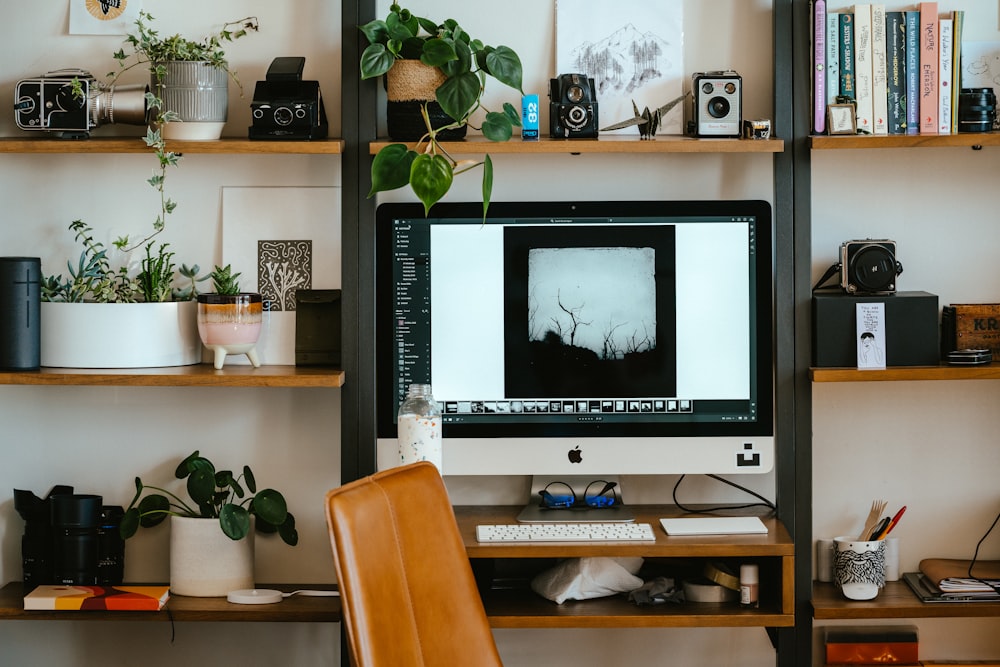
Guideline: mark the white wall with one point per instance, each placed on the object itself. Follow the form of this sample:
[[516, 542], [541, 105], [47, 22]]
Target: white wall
[[99, 438], [927, 445]]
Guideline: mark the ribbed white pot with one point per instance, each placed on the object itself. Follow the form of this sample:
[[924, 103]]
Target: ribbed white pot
[[204, 562], [199, 94], [119, 335]]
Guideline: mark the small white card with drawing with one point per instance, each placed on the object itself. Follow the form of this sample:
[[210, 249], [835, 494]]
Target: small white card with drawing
[[871, 335]]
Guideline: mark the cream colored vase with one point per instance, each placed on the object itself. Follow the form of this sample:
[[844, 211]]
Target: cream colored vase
[[204, 562]]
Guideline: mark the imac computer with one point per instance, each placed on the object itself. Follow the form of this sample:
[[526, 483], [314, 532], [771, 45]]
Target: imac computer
[[580, 338]]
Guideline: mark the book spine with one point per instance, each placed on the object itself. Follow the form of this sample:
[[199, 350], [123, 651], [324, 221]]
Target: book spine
[[945, 42], [863, 67], [958, 21], [929, 68], [880, 108], [819, 66], [847, 88], [832, 57], [895, 31], [912, 72]]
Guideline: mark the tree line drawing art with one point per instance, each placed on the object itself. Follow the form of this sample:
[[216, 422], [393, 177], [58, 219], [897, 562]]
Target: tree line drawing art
[[282, 268]]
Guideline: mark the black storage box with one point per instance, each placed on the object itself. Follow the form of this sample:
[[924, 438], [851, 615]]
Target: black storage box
[[911, 328]]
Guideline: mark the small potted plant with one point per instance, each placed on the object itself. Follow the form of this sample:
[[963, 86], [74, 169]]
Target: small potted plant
[[189, 79], [229, 321], [436, 70], [101, 316], [211, 538]]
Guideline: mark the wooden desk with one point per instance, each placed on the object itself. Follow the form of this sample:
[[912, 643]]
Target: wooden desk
[[519, 607]]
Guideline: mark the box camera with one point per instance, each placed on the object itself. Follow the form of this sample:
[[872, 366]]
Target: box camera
[[717, 104], [286, 107], [572, 106], [71, 102], [869, 267]]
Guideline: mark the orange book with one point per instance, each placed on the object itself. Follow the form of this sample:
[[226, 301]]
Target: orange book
[[100, 598], [929, 63]]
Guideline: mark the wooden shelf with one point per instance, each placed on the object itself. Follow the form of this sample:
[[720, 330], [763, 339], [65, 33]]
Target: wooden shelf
[[519, 607], [606, 144], [296, 609], [846, 141], [199, 375], [224, 146], [897, 373], [896, 600]]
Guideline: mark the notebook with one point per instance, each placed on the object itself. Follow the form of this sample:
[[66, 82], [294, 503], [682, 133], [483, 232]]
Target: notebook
[[927, 592], [714, 525]]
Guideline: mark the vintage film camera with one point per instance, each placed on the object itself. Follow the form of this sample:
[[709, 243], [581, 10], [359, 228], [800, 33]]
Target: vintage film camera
[[572, 106], [717, 99], [286, 107], [71, 102], [869, 266]]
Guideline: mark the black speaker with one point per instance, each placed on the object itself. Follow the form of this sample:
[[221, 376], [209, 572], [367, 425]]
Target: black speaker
[[911, 328], [317, 327], [20, 340]]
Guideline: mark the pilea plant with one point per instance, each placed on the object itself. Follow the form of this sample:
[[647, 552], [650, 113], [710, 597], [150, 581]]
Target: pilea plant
[[215, 494]]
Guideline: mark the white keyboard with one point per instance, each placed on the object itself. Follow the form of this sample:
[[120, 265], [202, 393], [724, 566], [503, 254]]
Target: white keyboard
[[566, 532]]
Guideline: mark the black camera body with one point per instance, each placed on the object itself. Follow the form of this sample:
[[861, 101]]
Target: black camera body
[[286, 107], [869, 266], [717, 99], [572, 106], [71, 102]]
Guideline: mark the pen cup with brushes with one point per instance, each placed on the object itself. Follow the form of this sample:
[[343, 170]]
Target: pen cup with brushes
[[859, 567]]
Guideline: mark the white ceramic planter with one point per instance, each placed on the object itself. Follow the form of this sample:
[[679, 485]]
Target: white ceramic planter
[[204, 562], [119, 335]]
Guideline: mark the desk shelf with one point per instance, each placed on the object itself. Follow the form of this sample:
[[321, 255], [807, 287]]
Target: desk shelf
[[198, 375], [44, 144], [296, 609], [605, 144], [989, 371], [896, 600], [519, 607]]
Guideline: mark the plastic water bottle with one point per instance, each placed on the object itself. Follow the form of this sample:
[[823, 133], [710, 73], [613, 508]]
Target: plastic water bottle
[[419, 427]]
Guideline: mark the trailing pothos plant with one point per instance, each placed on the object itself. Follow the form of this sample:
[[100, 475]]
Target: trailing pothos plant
[[465, 63], [215, 494]]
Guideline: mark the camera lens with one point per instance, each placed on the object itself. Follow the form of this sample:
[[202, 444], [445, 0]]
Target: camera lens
[[119, 104], [575, 117], [718, 107], [75, 521], [574, 94], [872, 268], [283, 116], [977, 110]]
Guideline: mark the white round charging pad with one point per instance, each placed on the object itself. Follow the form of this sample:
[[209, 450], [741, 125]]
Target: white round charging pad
[[255, 596]]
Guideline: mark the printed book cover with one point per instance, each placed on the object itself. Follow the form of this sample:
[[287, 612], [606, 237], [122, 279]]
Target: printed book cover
[[880, 108], [929, 61], [863, 68], [846, 44], [97, 598], [895, 31]]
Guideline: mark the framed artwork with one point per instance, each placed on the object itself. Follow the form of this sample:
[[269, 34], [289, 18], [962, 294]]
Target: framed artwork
[[841, 119], [281, 239], [627, 63], [103, 17]]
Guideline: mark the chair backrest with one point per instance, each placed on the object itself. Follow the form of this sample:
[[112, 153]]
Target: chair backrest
[[407, 590]]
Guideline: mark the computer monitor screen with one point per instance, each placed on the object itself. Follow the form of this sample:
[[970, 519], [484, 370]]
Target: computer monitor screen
[[580, 338]]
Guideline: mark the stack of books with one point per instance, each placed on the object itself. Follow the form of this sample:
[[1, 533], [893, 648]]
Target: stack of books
[[900, 68]]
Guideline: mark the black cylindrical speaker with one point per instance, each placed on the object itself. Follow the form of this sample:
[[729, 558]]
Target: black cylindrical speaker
[[20, 279]]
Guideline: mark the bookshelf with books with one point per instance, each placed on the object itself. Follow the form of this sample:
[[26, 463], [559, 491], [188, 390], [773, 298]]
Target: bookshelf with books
[[890, 433], [901, 66]]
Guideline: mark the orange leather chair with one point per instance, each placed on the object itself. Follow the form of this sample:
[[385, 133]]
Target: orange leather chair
[[407, 590]]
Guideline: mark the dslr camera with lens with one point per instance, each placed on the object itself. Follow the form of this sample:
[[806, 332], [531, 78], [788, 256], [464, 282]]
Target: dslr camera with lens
[[977, 110], [71, 102], [869, 266], [572, 106], [717, 104]]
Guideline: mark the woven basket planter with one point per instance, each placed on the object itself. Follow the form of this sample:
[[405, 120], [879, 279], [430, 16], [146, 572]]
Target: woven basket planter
[[409, 85]]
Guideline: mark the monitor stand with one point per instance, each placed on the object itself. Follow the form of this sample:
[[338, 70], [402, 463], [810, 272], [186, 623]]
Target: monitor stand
[[533, 512]]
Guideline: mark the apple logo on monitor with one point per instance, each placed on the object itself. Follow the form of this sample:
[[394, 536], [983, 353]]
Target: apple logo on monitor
[[575, 455]]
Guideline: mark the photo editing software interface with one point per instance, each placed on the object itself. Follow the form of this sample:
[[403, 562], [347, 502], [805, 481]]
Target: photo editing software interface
[[578, 319]]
